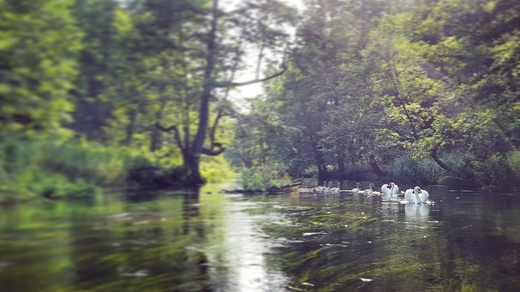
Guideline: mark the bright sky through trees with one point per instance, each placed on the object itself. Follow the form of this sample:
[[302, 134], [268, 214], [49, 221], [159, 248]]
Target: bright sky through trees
[[249, 74]]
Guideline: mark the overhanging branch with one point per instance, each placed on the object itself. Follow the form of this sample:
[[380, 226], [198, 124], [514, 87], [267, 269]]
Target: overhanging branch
[[175, 133], [237, 84]]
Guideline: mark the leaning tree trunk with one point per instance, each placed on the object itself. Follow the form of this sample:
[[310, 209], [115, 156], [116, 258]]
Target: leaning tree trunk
[[439, 162], [375, 167], [341, 164]]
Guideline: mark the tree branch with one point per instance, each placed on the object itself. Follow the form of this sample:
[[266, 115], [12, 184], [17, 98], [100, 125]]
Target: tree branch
[[434, 155], [216, 149], [236, 84], [175, 133]]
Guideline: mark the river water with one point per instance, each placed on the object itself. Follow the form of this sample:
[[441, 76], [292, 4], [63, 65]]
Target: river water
[[212, 241]]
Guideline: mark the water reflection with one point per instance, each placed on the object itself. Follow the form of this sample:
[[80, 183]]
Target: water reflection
[[245, 245], [201, 241], [417, 212]]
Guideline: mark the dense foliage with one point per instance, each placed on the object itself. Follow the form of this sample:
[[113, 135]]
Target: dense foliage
[[94, 91], [420, 92]]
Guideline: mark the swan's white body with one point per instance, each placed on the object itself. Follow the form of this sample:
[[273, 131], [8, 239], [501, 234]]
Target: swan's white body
[[321, 189], [355, 190], [370, 191], [416, 195], [389, 191], [335, 190]]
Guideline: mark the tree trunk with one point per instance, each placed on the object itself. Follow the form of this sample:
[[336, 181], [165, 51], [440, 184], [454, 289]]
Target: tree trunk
[[439, 161], [131, 126], [192, 160], [191, 166], [375, 167], [322, 167], [157, 135], [341, 164]]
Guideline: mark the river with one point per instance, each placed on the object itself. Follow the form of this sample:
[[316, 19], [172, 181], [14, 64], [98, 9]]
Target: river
[[212, 241]]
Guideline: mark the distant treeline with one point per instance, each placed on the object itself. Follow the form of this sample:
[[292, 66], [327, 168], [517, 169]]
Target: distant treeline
[[425, 92], [103, 92]]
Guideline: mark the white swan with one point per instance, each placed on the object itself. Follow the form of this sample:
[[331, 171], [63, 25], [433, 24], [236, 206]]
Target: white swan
[[370, 191], [389, 191], [355, 190], [334, 190], [321, 189], [416, 195]]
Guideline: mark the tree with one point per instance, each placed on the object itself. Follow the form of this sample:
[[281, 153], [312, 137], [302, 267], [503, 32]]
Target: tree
[[39, 43], [481, 60], [207, 70]]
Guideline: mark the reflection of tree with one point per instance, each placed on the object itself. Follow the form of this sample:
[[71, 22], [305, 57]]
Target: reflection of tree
[[191, 210], [152, 245], [91, 250]]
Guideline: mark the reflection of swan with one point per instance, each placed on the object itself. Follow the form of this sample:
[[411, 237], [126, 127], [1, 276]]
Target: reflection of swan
[[389, 191], [414, 212], [417, 195]]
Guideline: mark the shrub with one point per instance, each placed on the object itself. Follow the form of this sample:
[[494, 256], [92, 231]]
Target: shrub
[[216, 169], [462, 174], [513, 161], [415, 172], [494, 172], [264, 177], [33, 167]]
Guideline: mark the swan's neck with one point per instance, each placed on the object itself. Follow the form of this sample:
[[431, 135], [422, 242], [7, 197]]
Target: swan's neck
[[417, 199]]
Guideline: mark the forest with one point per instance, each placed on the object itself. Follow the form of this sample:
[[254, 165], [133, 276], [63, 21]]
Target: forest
[[104, 93]]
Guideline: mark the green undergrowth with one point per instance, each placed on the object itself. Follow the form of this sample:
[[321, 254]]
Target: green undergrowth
[[264, 177], [59, 168], [497, 172], [77, 168]]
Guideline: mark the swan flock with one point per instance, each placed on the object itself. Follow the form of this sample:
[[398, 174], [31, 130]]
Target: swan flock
[[389, 192]]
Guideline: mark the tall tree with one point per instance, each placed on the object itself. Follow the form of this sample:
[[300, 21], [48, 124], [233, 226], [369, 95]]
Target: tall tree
[[96, 19], [208, 61], [39, 42]]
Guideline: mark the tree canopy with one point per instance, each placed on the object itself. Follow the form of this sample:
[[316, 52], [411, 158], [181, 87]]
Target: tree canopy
[[360, 89]]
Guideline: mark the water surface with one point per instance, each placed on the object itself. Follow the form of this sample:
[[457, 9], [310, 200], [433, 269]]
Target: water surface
[[211, 241]]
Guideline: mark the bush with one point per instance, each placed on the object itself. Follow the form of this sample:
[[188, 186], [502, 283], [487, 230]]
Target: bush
[[264, 177], [215, 169], [358, 173], [494, 173], [462, 174], [415, 172], [32, 167], [513, 161]]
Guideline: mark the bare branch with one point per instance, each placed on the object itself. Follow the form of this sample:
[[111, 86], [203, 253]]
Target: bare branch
[[216, 149], [213, 129], [175, 133], [236, 84]]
